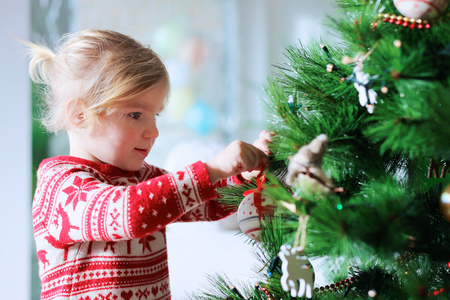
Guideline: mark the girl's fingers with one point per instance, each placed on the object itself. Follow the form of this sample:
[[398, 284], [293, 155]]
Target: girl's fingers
[[251, 157], [266, 135]]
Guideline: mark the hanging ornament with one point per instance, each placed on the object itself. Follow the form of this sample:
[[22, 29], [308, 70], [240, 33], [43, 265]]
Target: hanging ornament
[[367, 97], [305, 168], [421, 9], [433, 168], [444, 203], [297, 272], [254, 207], [362, 81]]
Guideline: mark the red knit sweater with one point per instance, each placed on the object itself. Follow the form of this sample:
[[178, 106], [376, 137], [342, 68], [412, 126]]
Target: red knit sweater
[[100, 231]]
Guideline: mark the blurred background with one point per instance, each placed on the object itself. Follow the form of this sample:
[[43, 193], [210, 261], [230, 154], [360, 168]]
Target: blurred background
[[219, 54]]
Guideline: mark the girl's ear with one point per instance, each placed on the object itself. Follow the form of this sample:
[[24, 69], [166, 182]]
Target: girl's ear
[[75, 111]]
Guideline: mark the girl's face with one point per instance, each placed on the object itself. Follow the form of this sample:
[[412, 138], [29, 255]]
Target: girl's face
[[125, 138]]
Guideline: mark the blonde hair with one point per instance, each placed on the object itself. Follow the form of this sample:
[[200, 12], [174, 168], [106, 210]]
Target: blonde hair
[[99, 67]]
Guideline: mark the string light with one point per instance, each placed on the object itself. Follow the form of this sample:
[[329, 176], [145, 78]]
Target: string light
[[372, 293], [330, 68], [235, 290]]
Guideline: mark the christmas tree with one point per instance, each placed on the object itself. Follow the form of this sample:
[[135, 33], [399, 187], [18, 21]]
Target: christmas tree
[[360, 156]]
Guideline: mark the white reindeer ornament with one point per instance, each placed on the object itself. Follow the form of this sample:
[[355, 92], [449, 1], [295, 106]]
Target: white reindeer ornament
[[298, 273]]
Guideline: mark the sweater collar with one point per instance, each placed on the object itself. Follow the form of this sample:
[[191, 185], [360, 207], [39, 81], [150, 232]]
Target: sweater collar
[[101, 167]]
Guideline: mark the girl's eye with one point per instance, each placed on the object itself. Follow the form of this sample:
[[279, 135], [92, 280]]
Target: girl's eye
[[135, 115]]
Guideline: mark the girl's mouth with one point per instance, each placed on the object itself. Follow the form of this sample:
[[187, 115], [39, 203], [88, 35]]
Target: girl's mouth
[[144, 152]]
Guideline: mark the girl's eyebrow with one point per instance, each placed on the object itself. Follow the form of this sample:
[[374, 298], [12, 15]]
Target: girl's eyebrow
[[137, 104], [144, 105]]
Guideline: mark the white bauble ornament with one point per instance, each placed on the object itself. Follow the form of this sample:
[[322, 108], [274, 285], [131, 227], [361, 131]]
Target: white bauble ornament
[[421, 9], [252, 209]]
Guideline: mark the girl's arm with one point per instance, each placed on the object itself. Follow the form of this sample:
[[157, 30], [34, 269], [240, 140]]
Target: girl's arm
[[74, 203], [237, 157], [212, 210]]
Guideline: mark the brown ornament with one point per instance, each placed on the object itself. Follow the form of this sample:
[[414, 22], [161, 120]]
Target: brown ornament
[[433, 169], [305, 168]]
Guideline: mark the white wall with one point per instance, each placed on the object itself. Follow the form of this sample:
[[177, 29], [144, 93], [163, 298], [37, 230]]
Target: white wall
[[15, 153]]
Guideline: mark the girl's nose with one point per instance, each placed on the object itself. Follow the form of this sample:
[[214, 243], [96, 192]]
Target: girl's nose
[[151, 131]]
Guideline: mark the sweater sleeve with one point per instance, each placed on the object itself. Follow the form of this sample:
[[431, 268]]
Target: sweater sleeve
[[184, 191], [75, 204], [212, 210]]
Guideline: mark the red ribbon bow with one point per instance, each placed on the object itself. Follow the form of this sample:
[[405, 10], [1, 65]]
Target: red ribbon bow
[[257, 199]]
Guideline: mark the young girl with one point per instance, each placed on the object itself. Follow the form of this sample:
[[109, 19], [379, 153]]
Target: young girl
[[99, 215]]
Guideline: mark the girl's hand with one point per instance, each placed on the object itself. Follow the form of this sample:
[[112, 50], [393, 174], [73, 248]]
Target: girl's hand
[[262, 143], [236, 158], [241, 158]]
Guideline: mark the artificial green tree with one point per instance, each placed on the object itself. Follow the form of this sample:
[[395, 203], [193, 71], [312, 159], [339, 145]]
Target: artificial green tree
[[378, 214]]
